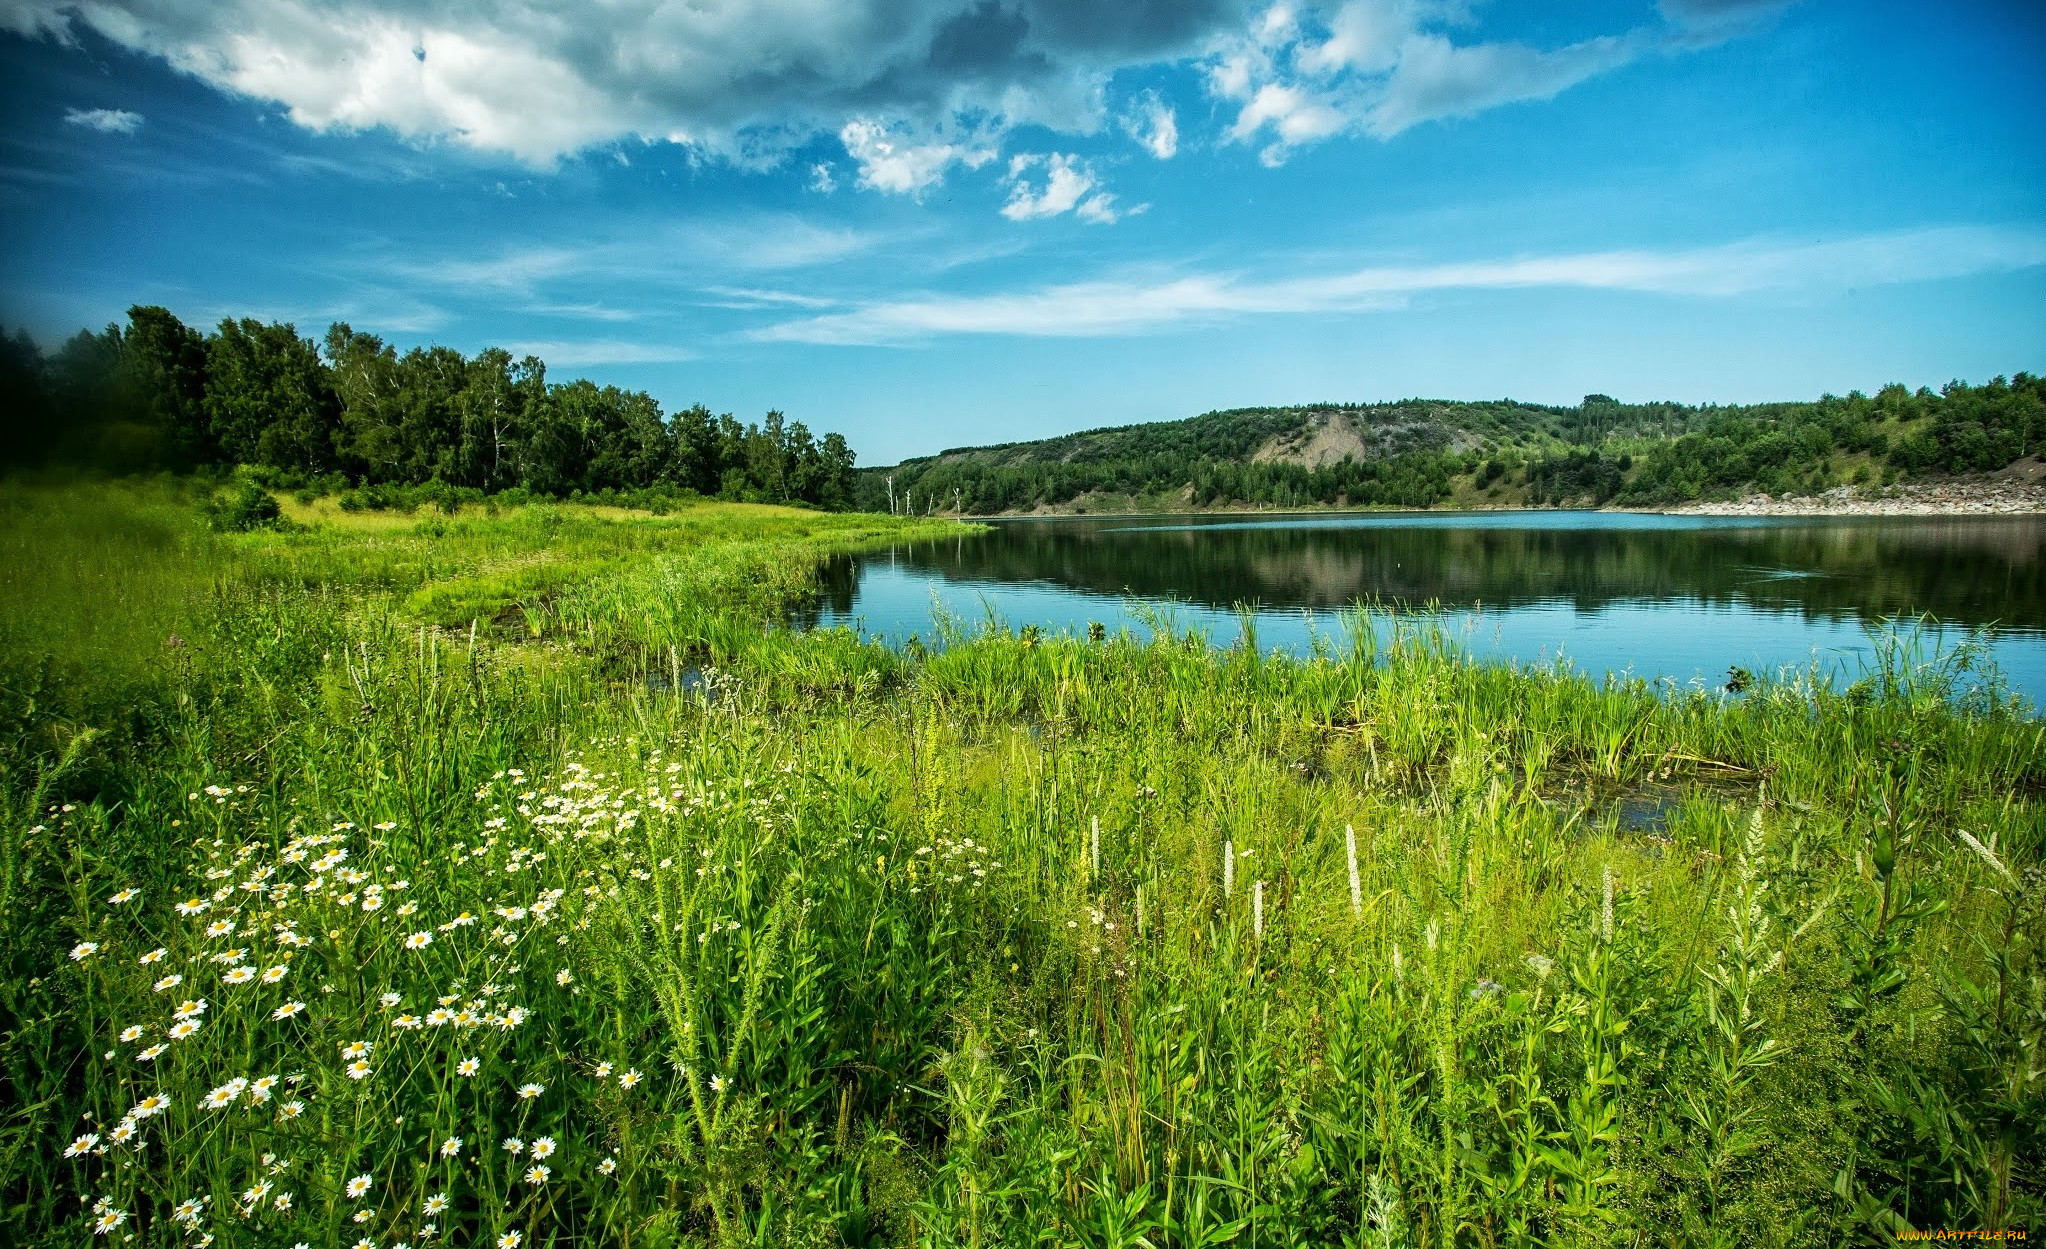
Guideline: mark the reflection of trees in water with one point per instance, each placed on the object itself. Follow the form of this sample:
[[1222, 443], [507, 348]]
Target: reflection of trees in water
[[1971, 572]]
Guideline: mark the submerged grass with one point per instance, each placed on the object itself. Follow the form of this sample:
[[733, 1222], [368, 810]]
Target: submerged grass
[[414, 896]]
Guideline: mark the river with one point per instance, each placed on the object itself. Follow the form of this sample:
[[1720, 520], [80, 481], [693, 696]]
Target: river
[[1683, 597]]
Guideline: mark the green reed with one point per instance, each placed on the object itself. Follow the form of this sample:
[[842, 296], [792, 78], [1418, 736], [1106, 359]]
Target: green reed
[[660, 924]]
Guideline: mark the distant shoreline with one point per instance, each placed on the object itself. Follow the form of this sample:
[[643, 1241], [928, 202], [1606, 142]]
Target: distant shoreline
[[2017, 491], [1995, 496]]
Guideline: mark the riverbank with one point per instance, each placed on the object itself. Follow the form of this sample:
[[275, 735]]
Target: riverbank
[[1985, 497], [2014, 491]]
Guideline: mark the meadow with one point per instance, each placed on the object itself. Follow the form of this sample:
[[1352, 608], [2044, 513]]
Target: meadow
[[514, 879]]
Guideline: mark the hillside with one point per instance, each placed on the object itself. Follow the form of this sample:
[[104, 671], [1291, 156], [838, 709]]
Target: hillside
[[1429, 453]]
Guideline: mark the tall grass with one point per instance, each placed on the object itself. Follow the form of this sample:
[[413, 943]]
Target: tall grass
[[837, 945]]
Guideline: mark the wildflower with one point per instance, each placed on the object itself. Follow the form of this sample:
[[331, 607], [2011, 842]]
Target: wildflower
[[83, 950], [407, 1022], [717, 1084], [189, 1210], [448, 1149], [291, 1110], [537, 1176], [435, 1204], [123, 1132], [468, 1066], [125, 895], [239, 975], [629, 1079], [260, 1090], [603, 1071], [388, 1000], [192, 907], [563, 978], [356, 1049], [419, 940], [220, 928], [225, 1094], [357, 1070], [607, 1166], [82, 1145], [543, 1148], [182, 1029], [133, 1032], [271, 975], [437, 1017], [153, 956], [530, 1091], [108, 1221], [513, 1144], [514, 1017], [256, 1194], [154, 1104], [283, 1203], [151, 1054], [358, 1186], [188, 1008], [510, 1240], [287, 1010]]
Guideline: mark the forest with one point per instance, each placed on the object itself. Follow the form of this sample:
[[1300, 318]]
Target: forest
[[1428, 452], [353, 414]]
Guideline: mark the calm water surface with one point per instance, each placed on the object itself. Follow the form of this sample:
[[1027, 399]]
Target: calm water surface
[[1679, 596]]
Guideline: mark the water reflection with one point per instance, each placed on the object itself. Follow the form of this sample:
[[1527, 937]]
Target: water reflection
[[1544, 581]]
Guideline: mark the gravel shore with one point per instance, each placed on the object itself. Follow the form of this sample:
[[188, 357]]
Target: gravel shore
[[1970, 498]]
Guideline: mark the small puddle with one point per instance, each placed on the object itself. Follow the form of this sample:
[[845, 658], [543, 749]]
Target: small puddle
[[1646, 809], [691, 681]]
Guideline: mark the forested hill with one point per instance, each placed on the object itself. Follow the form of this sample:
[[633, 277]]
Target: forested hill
[[1423, 453], [354, 414]]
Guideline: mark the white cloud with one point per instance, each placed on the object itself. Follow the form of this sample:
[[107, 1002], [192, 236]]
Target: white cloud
[[913, 88], [822, 179], [1091, 309], [104, 120], [746, 80], [1153, 124], [1374, 67], [891, 159], [1434, 78], [1067, 184]]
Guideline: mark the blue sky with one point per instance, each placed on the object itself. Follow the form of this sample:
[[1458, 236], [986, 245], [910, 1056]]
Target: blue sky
[[930, 223]]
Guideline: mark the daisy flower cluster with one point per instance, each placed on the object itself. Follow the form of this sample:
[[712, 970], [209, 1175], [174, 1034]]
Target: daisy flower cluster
[[326, 1016]]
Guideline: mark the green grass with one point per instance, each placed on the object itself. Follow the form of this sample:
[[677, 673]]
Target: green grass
[[1018, 940]]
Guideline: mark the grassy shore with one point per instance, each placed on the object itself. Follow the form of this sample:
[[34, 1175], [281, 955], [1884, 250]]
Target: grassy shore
[[514, 880]]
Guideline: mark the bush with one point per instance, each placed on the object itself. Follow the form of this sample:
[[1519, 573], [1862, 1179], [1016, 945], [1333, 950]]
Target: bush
[[248, 507]]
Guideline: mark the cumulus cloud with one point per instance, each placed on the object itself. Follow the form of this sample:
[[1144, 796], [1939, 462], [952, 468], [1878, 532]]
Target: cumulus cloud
[[892, 159], [104, 120], [1109, 307], [912, 88], [1068, 187], [743, 79], [1153, 124], [1379, 67]]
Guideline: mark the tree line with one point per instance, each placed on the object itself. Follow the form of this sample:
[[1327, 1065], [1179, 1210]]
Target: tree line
[[352, 410], [1797, 448], [1422, 452]]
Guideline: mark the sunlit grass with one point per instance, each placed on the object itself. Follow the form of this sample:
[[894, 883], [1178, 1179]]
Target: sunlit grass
[[788, 938]]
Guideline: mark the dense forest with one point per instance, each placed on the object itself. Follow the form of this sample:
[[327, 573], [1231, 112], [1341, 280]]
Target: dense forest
[[353, 414], [1420, 453]]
